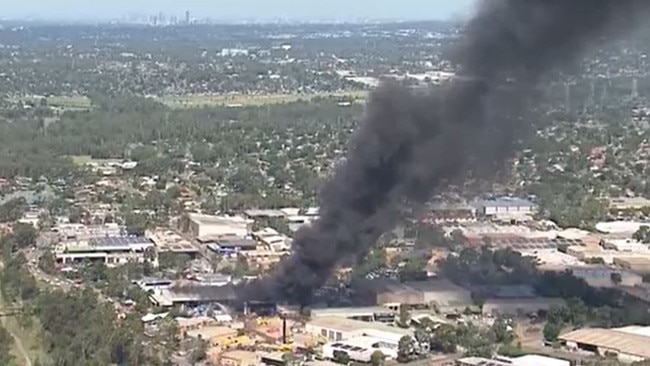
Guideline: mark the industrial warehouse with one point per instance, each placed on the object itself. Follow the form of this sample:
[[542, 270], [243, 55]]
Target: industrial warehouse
[[627, 344], [111, 251]]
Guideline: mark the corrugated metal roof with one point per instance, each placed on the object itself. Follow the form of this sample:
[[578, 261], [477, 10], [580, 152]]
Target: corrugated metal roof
[[632, 344], [504, 202]]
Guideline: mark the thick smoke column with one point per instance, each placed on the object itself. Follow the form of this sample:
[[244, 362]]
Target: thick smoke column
[[411, 145]]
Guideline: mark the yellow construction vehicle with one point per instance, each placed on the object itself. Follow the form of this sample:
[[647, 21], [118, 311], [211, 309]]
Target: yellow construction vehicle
[[285, 348]]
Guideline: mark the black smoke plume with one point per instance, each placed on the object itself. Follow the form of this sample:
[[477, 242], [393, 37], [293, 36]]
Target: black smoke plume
[[411, 144]]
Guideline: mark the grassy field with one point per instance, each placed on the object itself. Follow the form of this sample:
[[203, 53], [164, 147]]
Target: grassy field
[[82, 160], [197, 101], [65, 102]]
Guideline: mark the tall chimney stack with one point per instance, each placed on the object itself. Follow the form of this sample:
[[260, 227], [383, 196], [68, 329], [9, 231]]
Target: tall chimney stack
[[284, 329]]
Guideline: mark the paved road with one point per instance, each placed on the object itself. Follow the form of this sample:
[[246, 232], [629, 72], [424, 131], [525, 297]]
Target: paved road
[[63, 284]]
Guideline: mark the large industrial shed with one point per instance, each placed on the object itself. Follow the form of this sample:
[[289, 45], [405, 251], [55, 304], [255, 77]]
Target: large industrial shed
[[340, 329], [521, 306], [441, 294], [208, 227], [628, 344]]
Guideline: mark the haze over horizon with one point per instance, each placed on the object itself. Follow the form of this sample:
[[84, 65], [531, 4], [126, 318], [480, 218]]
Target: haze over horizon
[[238, 10]]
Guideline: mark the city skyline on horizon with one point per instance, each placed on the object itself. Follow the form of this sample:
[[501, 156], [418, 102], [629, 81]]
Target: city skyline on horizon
[[237, 10]]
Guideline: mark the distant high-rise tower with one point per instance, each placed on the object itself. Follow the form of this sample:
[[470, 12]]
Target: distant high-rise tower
[[635, 88], [567, 96], [187, 17]]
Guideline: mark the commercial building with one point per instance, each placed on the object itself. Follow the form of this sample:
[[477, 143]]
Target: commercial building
[[600, 276], [193, 295], [295, 222], [213, 279], [239, 358], [527, 360], [151, 284], [271, 239], [186, 325], [442, 295], [636, 264], [521, 306], [442, 212], [628, 344], [167, 241], [85, 232], [263, 259], [628, 203], [359, 349], [112, 251], [505, 205], [625, 245], [338, 329], [214, 335], [366, 314], [207, 227], [620, 227], [264, 214]]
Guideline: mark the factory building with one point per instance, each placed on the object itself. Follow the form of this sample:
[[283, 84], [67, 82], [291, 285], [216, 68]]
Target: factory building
[[85, 232], [112, 251], [272, 240], [336, 329], [520, 307], [239, 358], [622, 228], [167, 241], [214, 335], [627, 344], [505, 205], [442, 295], [264, 214], [527, 360], [231, 245], [360, 349], [600, 276], [151, 284], [634, 263], [366, 314], [442, 212], [192, 294], [625, 245], [207, 227]]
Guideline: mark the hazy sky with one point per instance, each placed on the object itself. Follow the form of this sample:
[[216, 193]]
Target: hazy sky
[[237, 9]]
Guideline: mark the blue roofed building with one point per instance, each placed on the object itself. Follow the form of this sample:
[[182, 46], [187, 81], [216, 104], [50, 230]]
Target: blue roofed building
[[226, 245]]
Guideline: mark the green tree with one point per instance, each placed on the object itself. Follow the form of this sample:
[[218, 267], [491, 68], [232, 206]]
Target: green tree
[[405, 349], [47, 262], [200, 351], [377, 358], [444, 339], [24, 235], [289, 358], [500, 332], [510, 350], [643, 234], [13, 209], [340, 357], [552, 331]]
